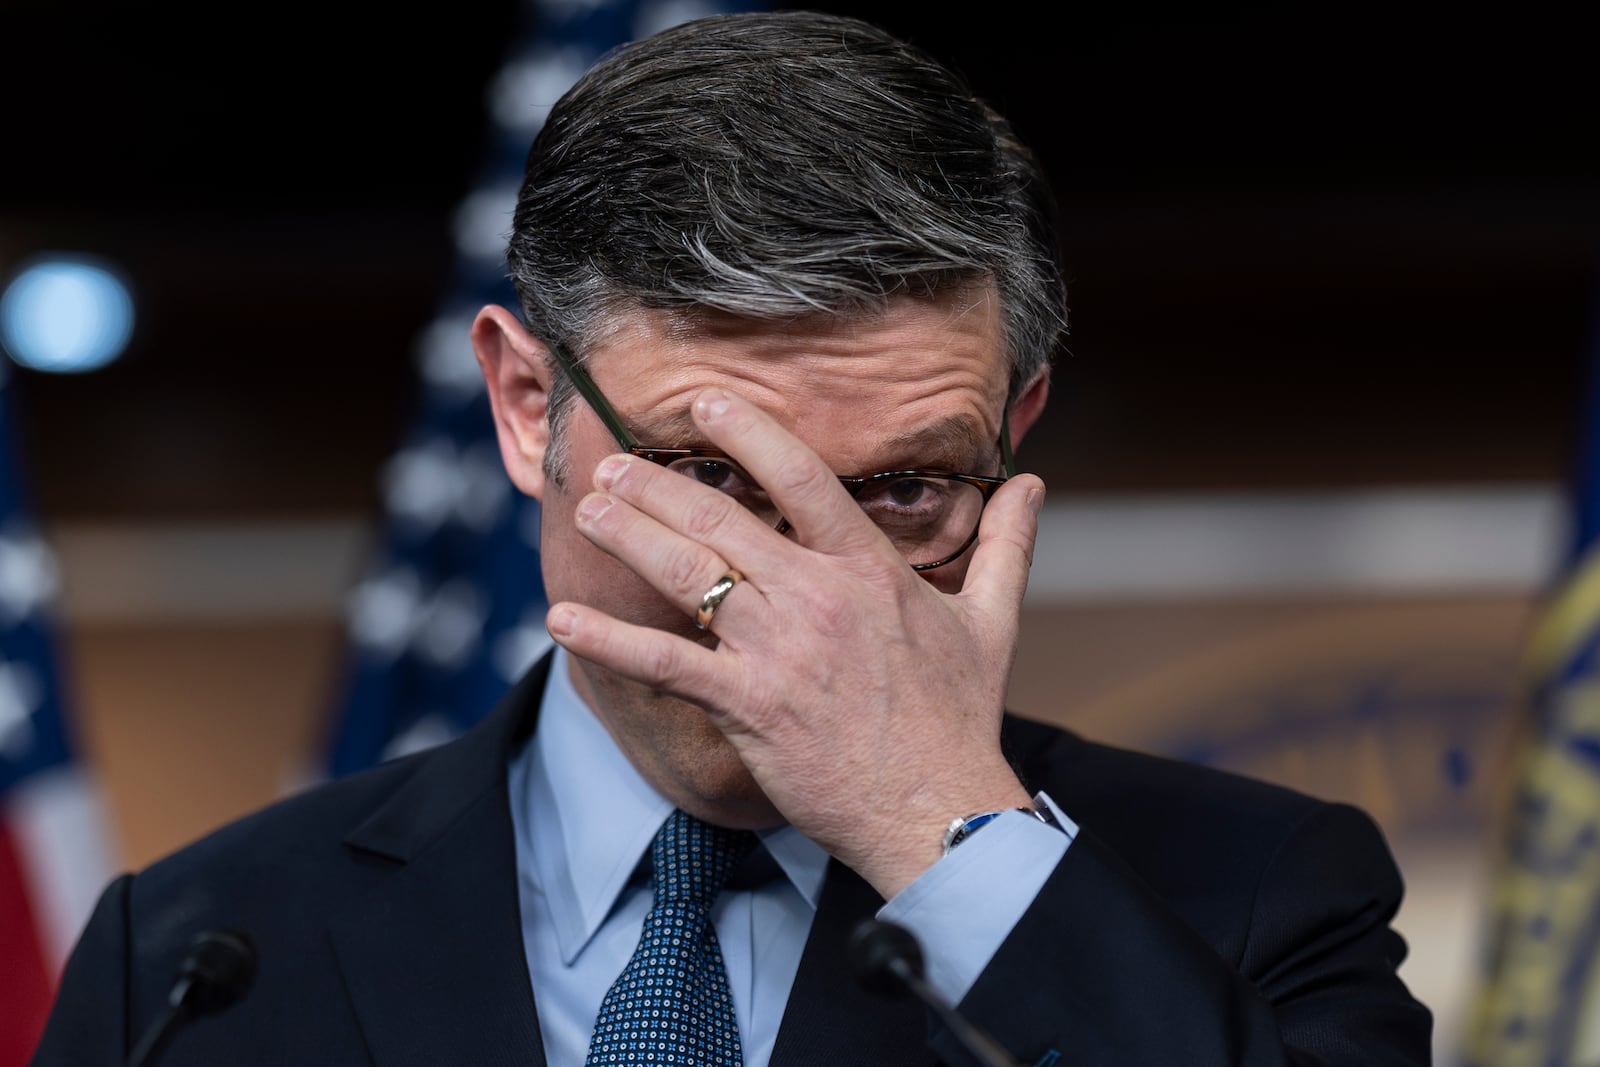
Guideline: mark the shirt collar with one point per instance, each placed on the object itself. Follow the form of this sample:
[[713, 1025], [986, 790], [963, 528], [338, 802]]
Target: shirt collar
[[605, 816]]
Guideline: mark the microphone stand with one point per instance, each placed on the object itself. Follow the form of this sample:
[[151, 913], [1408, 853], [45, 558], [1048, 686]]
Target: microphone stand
[[216, 974], [888, 962]]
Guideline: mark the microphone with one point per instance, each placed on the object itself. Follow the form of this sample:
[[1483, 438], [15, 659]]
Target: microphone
[[888, 962], [214, 975]]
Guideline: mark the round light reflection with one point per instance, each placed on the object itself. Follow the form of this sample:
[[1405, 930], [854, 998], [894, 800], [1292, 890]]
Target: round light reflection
[[65, 315]]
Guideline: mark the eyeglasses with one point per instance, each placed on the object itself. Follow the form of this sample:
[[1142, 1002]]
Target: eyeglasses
[[930, 515]]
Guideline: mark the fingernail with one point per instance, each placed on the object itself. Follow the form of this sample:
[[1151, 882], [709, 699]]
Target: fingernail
[[591, 507], [1035, 500], [562, 622], [609, 470], [712, 404]]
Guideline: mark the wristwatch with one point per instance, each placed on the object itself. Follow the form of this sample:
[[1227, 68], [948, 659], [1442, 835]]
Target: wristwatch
[[964, 827]]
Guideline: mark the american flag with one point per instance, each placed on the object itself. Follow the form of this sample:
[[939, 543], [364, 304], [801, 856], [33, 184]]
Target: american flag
[[54, 855], [451, 610]]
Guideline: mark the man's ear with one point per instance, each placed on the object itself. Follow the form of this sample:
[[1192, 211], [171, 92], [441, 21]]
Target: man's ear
[[518, 379], [1028, 406]]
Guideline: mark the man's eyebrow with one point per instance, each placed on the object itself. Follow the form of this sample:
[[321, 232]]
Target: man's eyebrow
[[666, 429], [949, 442]]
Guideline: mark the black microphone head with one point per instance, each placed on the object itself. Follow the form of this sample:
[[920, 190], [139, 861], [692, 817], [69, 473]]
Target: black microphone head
[[218, 970], [883, 955]]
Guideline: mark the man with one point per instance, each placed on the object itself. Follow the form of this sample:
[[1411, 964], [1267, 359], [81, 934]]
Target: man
[[788, 299]]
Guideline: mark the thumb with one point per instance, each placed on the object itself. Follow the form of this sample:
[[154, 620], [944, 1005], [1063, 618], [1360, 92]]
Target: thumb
[[998, 574]]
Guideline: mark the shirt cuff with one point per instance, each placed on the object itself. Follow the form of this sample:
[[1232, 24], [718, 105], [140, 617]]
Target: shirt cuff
[[963, 907]]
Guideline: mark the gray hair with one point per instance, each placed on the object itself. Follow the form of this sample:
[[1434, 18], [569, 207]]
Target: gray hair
[[774, 165]]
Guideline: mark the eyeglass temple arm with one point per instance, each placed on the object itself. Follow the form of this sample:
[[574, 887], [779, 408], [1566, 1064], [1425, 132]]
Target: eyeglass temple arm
[[1008, 462], [591, 393]]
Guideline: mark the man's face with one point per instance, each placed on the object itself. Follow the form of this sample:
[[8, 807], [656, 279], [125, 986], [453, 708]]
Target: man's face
[[920, 385]]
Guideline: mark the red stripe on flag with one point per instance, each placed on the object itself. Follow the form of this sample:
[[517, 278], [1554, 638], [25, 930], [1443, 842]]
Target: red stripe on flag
[[27, 982]]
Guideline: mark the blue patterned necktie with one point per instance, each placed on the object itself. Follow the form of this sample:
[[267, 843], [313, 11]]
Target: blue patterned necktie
[[671, 1004]]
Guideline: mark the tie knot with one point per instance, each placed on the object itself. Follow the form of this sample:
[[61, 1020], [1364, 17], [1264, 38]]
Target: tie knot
[[693, 859]]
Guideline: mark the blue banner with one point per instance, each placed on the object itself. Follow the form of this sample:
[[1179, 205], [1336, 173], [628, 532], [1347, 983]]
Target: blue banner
[[1537, 1005]]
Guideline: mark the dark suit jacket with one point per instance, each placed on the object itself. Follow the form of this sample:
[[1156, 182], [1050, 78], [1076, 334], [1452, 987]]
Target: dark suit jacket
[[1199, 918]]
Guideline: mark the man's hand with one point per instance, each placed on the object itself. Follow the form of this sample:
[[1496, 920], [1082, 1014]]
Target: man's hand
[[865, 702]]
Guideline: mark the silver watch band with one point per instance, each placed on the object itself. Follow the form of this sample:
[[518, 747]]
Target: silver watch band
[[965, 826]]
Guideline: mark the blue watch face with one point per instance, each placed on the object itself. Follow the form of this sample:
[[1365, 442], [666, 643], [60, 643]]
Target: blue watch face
[[969, 826], [978, 822], [961, 829]]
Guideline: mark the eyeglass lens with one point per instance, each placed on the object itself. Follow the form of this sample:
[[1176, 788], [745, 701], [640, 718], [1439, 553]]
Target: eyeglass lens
[[928, 518]]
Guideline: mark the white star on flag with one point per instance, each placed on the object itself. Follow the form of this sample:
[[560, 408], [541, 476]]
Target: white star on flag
[[28, 576], [20, 693]]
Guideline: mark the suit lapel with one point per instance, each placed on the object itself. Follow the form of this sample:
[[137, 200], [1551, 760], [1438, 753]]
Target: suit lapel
[[433, 957], [830, 1021]]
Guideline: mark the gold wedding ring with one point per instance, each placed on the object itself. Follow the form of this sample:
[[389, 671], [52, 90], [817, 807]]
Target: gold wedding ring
[[714, 597]]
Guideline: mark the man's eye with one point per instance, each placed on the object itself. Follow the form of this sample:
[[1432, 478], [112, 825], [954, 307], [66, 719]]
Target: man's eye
[[907, 497], [907, 492], [710, 472], [716, 473]]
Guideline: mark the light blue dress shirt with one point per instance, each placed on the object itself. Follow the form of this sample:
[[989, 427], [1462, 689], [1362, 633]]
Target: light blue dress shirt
[[584, 819]]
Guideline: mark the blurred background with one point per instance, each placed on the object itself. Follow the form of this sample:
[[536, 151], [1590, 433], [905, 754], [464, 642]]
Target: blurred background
[[1315, 445]]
